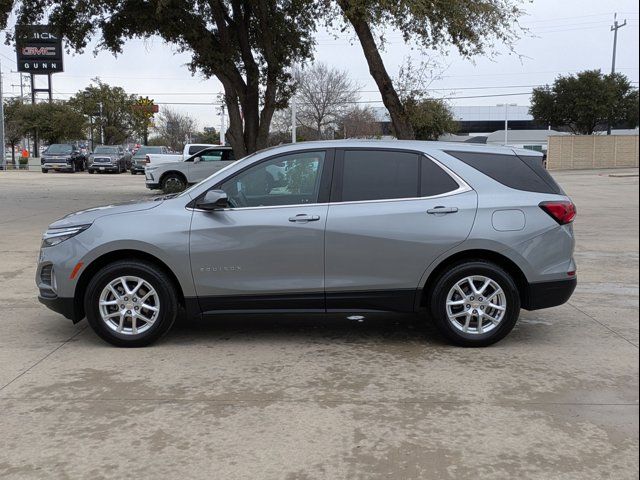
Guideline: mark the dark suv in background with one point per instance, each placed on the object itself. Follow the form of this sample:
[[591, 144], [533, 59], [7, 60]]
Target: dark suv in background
[[109, 158], [63, 157]]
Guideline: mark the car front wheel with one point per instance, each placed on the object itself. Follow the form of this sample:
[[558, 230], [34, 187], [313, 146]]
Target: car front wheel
[[475, 303], [131, 303], [173, 182]]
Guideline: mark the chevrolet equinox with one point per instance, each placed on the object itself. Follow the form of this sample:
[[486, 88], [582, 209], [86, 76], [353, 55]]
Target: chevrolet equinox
[[465, 235]]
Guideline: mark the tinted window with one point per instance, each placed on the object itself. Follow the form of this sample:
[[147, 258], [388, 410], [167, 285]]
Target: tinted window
[[378, 175], [195, 149], [509, 170], [434, 180], [287, 180], [59, 148], [106, 150]]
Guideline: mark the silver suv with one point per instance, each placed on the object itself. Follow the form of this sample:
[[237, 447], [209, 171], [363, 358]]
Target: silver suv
[[465, 234]]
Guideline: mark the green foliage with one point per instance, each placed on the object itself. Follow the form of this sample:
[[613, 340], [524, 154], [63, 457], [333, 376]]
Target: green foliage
[[587, 102], [55, 122], [249, 45], [430, 118], [113, 110], [211, 137]]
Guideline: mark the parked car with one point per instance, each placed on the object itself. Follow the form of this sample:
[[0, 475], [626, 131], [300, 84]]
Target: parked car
[[176, 176], [465, 235], [109, 158], [63, 157], [189, 150], [139, 158]]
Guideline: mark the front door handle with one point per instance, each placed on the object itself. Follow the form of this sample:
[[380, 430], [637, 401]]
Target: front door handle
[[442, 210], [304, 218]]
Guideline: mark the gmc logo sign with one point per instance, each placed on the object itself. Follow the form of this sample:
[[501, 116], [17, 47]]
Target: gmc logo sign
[[38, 51]]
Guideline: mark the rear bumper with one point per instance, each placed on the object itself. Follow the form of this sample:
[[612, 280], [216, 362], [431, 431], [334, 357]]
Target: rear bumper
[[548, 294]]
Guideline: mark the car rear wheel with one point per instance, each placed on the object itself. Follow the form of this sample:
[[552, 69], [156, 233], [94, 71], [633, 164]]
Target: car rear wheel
[[173, 182], [131, 303], [475, 303]]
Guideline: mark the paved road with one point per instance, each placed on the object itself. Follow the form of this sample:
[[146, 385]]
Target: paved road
[[315, 397]]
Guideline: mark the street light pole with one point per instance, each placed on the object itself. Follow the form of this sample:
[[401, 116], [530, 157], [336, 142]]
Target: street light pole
[[506, 120]]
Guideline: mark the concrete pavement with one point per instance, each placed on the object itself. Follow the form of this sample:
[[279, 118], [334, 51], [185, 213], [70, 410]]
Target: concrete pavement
[[322, 397]]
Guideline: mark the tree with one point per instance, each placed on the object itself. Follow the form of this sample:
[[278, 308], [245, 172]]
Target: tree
[[14, 124], [175, 128], [114, 112], [429, 117], [209, 135], [55, 122], [359, 122], [323, 96], [471, 27], [586, 102], [249, 45]]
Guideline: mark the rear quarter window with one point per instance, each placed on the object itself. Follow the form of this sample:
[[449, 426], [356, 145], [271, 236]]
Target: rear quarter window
[[525, 174]]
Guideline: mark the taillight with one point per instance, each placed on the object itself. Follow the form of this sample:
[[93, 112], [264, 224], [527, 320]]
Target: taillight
[[562, 212], [147, 159]]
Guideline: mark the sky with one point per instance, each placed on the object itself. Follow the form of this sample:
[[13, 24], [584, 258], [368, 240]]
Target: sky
[[564, 37]]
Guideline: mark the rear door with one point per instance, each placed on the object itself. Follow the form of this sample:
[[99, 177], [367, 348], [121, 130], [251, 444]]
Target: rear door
[[391, 214]]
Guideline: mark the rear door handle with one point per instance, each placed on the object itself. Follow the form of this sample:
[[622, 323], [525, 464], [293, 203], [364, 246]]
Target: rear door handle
[[442, 210], [304, 218]]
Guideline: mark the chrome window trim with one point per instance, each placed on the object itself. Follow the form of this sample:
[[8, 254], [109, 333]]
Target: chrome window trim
[[463, 187]]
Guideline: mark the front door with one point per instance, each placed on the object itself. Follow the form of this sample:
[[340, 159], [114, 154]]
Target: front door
[[392, 213], [266, 252]]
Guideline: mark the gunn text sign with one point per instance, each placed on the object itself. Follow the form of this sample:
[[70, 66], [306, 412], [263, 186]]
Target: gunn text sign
[[38, 50]]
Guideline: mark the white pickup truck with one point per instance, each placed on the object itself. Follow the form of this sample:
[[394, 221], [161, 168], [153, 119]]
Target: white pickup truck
[[189, 150], [177, 175]]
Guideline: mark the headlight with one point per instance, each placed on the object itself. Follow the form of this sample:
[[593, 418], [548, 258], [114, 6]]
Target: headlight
[[54, 236]]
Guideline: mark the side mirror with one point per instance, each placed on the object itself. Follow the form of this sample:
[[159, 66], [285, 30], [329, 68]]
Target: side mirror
[[196, 159], [214, 200]]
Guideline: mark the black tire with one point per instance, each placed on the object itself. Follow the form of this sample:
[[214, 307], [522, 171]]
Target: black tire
[[44, 170], [149, 273], [447, 280], [73, 167], [90, 171], [173, 182]]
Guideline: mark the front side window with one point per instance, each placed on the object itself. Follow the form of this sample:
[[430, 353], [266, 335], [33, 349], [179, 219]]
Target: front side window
[[287, 180], [379, 175]]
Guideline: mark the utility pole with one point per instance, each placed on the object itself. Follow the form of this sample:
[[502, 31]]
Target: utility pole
[[101, 126], [222, 125], [614, 28], [293, 120], [4, 158]]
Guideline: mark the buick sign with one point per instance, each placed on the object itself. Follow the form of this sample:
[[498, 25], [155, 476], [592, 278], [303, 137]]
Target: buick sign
[[38, 50]]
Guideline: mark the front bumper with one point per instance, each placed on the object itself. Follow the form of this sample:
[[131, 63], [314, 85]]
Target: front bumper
[[150, 180], [548, 294], [103, 168], [57, 166], [63, 306]]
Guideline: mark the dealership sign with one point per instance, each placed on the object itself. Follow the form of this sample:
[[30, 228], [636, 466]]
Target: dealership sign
[[38, 50]]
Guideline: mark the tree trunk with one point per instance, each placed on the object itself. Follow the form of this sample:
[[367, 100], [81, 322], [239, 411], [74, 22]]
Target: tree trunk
[[399, 118]]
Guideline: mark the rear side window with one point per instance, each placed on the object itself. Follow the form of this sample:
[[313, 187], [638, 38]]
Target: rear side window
[[510, 170], [195, 149], [434, 180], [379, 175]]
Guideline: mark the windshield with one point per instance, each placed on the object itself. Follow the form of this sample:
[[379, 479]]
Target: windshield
[[144, 150], [59, 148], [106, 150]]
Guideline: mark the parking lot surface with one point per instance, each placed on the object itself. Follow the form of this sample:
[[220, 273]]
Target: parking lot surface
[[322, 397]]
